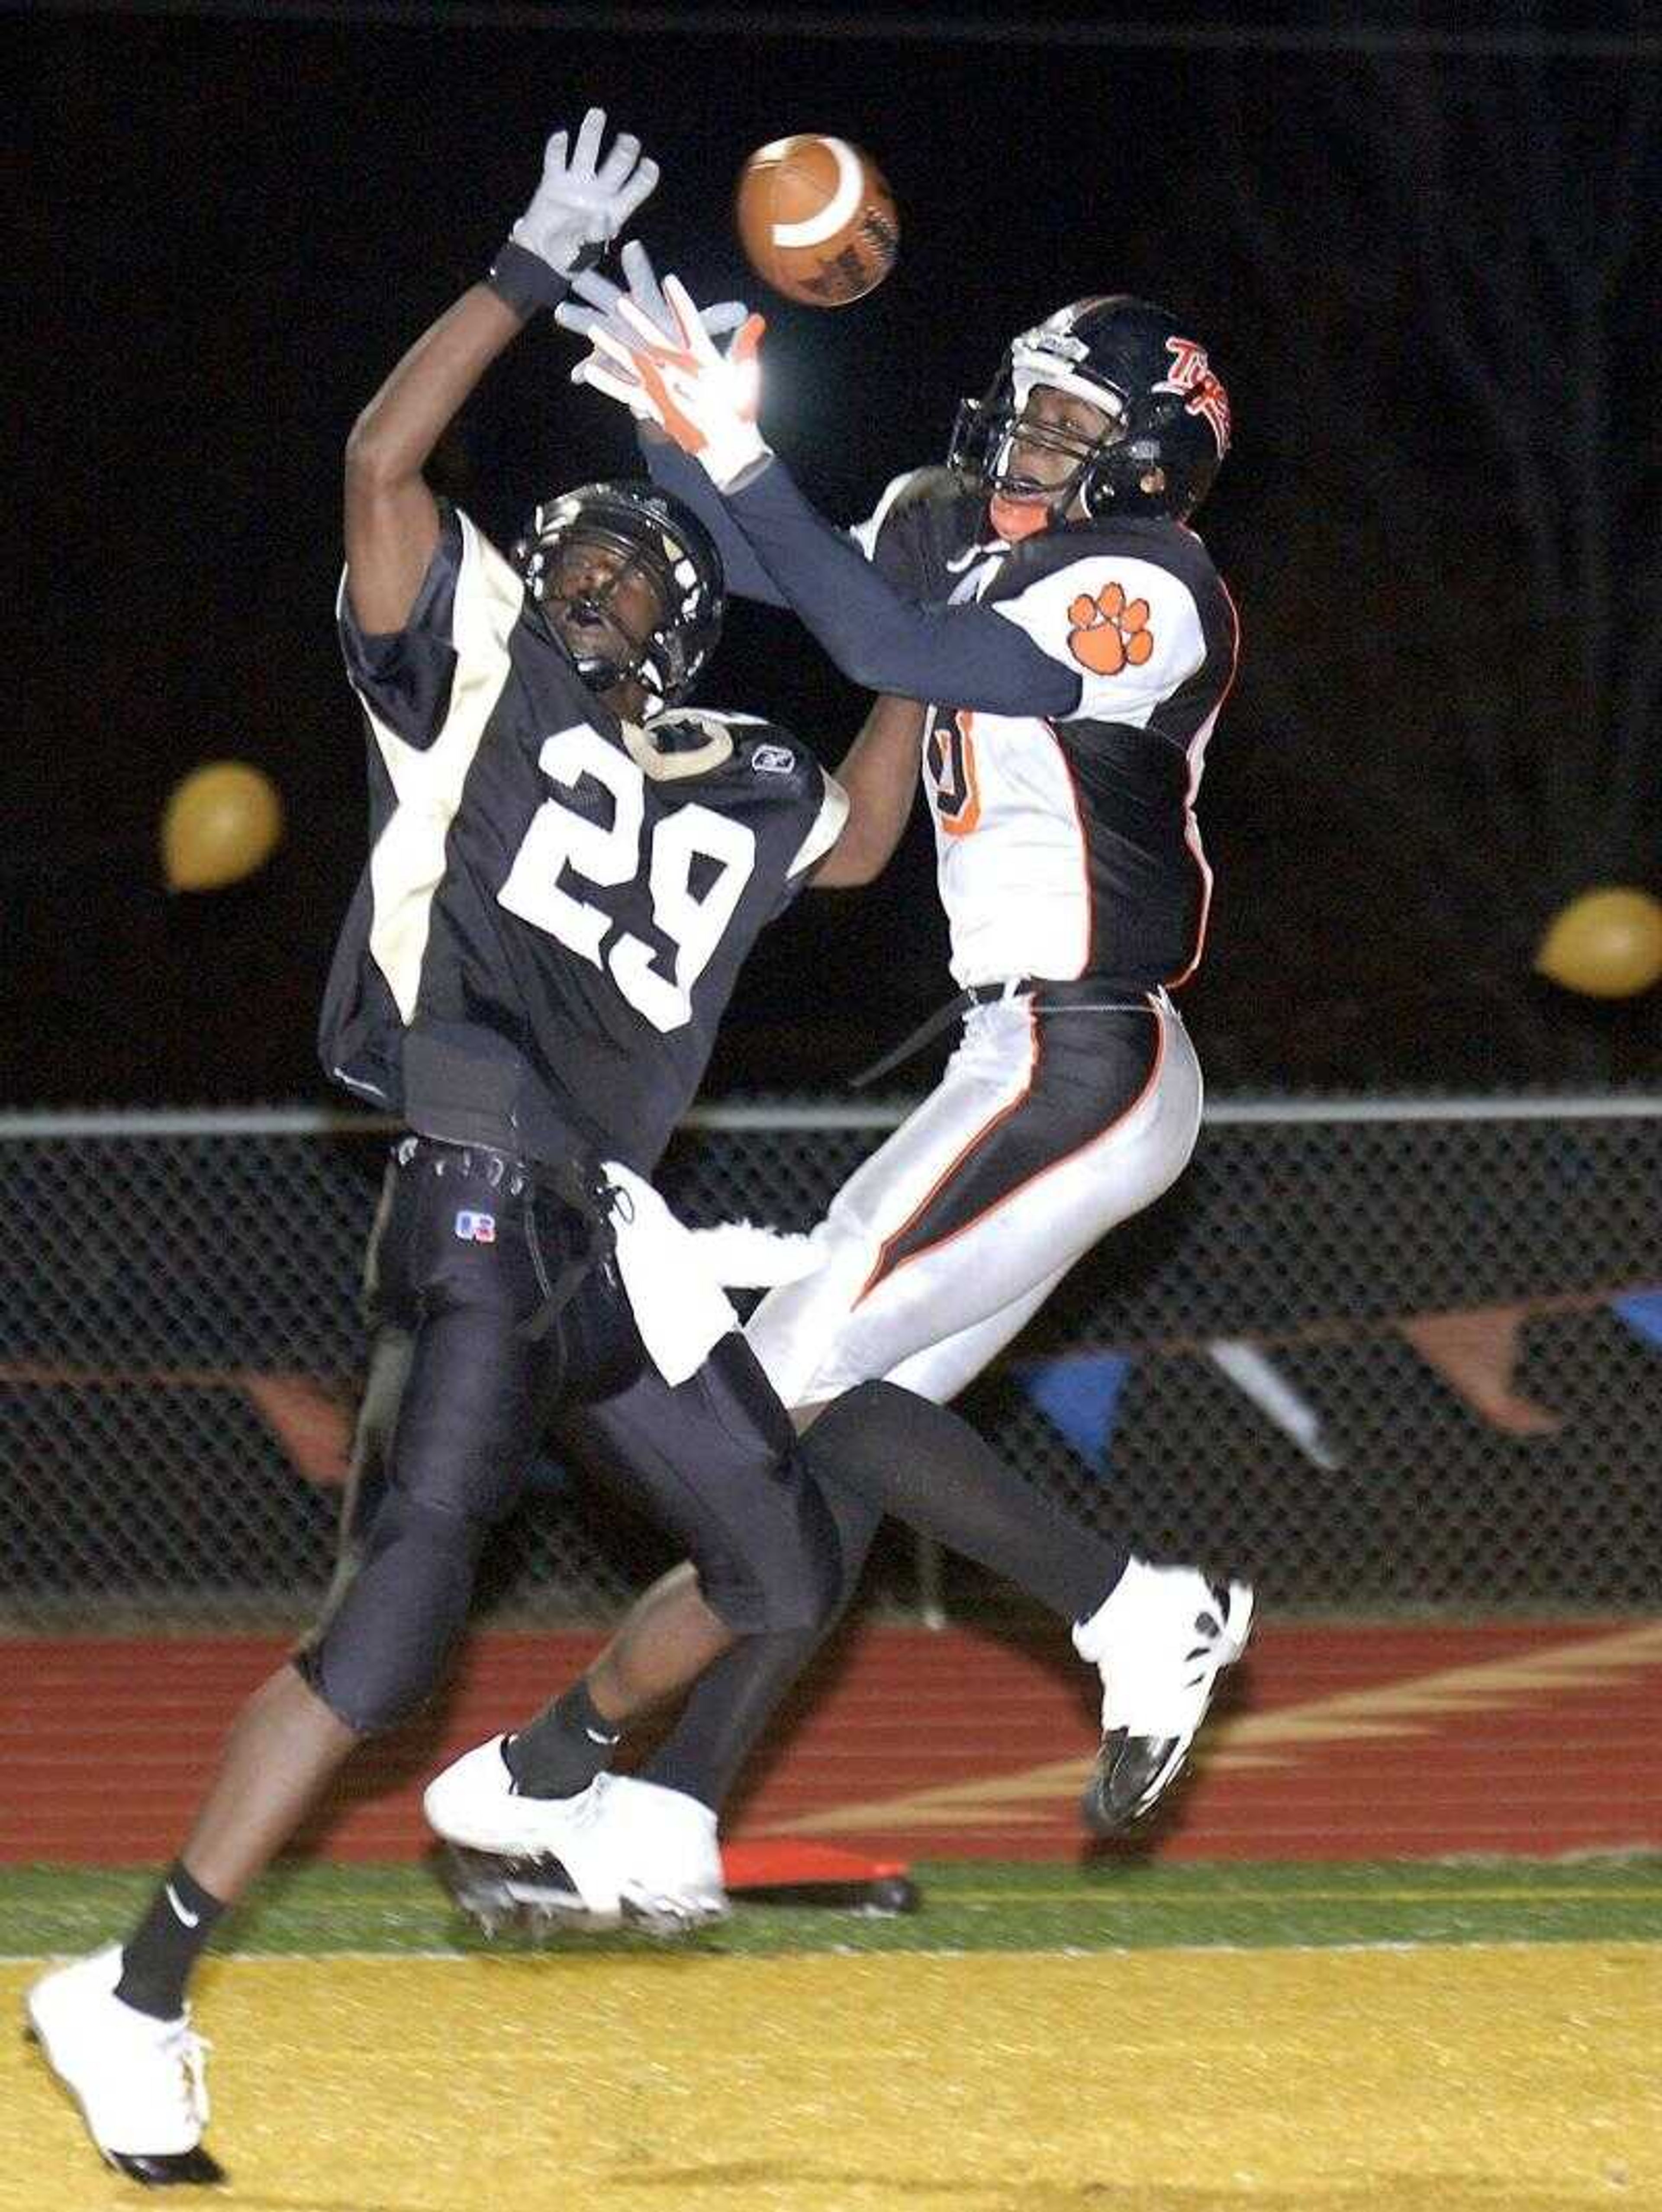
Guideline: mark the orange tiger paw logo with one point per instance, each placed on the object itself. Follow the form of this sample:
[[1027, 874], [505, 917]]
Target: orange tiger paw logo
[[1110, 632]]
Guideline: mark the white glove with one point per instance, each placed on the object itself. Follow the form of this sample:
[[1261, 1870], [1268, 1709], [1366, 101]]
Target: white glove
[[603, 371], [581, 205], [705, 399]]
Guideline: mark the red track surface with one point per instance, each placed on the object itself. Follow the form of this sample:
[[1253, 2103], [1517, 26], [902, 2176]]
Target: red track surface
[[1334, 1743]]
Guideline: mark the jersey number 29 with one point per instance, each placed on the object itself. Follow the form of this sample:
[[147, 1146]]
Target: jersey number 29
[[605, 855]]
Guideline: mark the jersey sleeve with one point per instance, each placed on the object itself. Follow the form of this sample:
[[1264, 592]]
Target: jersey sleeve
[[468, 603], [880, 637], [824, 830], [680, 476], [881, 537], [1127, 627], [914, 531]]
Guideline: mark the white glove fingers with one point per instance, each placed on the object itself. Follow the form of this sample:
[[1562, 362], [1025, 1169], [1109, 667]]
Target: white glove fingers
[[613, 348], [614, 386], [640, 187], [625, 151], [692, 331], [581, 322], [635, 325], [644, 289], [554, 157], [605, 376], [589, 135], [599, 291], [641, 276], [724, 317]]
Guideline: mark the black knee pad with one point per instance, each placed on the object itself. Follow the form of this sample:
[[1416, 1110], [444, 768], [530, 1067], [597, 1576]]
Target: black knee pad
[[379, 1653]]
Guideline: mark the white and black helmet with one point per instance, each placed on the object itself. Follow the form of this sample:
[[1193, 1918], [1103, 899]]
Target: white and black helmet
[[1168, 414], [671, 548]]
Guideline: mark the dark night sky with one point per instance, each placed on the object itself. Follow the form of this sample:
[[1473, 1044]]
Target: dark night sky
[[227, 233]]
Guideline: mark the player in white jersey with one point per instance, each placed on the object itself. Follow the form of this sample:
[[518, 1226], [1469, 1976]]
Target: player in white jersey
[[1061, 776], [1043, 595]]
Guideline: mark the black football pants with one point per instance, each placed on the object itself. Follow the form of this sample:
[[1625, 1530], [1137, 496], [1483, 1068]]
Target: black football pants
[[467, 1247]]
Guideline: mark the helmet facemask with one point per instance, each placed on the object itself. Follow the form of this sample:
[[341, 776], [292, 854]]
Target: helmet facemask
[[607, 649], [653, 539], [1167, 429], [1027, 433]]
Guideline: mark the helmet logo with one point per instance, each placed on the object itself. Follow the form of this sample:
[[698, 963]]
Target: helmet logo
[[1191, 375], [1055, 338], [1109, 632]]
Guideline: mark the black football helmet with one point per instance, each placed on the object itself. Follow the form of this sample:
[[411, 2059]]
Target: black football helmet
[[667, 544], [1167, 411]]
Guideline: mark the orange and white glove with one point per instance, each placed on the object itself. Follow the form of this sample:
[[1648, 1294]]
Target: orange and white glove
[[673, 373], [596, 306]]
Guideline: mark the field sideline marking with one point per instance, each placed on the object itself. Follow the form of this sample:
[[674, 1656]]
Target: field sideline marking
[[764, 1958], [1356, 1945], [1168, 1898]]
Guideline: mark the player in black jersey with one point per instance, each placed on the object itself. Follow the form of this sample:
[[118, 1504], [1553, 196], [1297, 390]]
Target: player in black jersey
[[1070, 645], [566, 868]]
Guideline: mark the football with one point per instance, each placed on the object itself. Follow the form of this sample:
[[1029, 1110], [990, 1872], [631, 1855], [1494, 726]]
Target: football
[[817, 219]]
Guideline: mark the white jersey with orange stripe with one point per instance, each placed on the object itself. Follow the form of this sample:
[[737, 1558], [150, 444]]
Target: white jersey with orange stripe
[[1068, 845]]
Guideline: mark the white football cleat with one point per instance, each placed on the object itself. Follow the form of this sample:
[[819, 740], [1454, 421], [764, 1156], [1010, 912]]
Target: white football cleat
[[663, 1845], [139, 2081], [517, 1855], [1160, 1639], [621, 1851]]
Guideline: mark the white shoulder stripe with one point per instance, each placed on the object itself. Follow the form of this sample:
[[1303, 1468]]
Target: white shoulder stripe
[[864, 534], [407, 864], [827, 827]]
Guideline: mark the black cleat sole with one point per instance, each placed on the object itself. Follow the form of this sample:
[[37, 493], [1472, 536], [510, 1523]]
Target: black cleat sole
[[185, 2169], [1117, 1798], [530, 1897]]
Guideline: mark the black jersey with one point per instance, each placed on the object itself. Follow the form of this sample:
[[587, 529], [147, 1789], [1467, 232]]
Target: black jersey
[[1068, 846], [555, 907]]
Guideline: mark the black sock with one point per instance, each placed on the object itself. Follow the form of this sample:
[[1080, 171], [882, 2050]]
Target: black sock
[[156, 1963], [564, 1749], [927, 1467]]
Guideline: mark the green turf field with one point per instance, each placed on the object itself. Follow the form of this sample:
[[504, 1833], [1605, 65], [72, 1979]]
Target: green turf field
[[967, 1906]]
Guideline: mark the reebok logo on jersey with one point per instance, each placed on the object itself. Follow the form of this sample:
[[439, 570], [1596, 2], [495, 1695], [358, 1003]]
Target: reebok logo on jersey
[[1110, 632], [773, 760], [476, 1228]]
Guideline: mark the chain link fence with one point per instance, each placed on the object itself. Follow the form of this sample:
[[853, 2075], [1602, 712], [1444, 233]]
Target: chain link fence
[[1382, 1359]]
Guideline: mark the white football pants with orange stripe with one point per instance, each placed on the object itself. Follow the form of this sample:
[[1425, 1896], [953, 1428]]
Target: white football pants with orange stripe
[[1048, 1129]]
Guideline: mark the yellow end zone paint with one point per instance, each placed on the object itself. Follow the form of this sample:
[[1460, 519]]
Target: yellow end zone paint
[[1468, 2078]]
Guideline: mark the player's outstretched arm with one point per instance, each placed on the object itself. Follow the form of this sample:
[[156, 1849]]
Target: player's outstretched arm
[[596, 306], [392, 524], [706, 397], [391, 520], [878, 773]]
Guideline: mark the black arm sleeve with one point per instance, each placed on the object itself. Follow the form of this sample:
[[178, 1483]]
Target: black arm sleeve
[[680, 476], [968, 655]]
